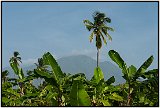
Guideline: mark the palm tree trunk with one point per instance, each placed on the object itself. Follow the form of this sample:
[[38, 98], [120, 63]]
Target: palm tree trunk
[[97, 57]]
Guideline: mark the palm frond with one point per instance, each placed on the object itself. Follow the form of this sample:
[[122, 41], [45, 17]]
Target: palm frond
[[106, 28], [16, 53], [107, 20], [11, 59], [19, 59], [95, 14], [91, 37], [106, 33], [98, 15], [40, 61], [109, 37], [104, 40], [110, 28], [89, 27], [87, 22], [36, 64]]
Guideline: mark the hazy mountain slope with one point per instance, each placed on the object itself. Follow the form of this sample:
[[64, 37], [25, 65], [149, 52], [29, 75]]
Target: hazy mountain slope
[[85, 64], [110, 69], [77, 64]]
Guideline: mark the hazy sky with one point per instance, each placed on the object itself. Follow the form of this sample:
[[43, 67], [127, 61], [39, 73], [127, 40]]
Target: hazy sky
[[33, 28]]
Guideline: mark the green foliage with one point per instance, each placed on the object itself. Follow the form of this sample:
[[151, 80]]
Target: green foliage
[[49, 60], [106, 102], [78, 95], [115, 96], [143, 67], [146, 64], [110, 80], [61, 89], [131, 74], [14, 67], [117, 59], [98, 75]]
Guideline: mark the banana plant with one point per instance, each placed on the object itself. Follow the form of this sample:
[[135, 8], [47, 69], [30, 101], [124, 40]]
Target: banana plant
[[54, 77], [131, 73], [101, 92], [14, 63]]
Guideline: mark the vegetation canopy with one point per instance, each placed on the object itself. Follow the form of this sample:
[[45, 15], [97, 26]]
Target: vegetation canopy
[[61, 89]]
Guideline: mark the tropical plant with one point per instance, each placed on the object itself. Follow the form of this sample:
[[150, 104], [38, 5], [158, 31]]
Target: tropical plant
[[131, 74], [14, 63], [99, 28], [101, 92]]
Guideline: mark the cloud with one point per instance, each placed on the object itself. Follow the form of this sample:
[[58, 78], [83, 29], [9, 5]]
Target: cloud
[[89, 52], [83, 52], [29, 61]]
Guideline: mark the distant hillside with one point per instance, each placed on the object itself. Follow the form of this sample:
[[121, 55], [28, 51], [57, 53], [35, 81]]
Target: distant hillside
[[82, 64], [85, 64]]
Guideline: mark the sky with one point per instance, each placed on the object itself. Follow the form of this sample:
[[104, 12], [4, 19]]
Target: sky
[[33, 28]]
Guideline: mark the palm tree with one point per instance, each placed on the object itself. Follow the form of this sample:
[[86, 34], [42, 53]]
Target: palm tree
[[15, 58], [99, 28]]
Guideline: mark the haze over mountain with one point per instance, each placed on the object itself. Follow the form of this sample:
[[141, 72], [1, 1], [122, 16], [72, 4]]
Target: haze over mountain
[[85, 64], [82, 64]]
